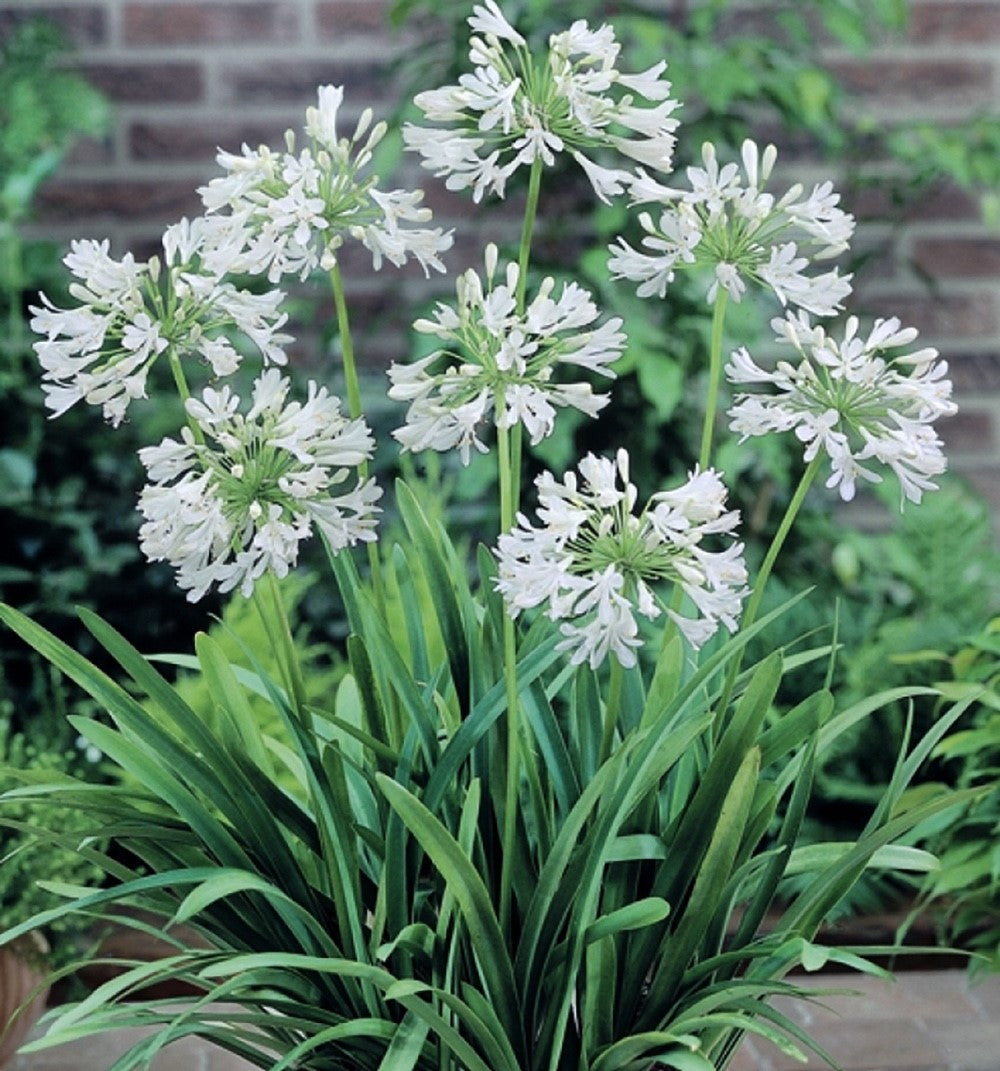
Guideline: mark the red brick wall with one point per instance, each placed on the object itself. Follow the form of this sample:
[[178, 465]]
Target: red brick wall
[[188, 76]]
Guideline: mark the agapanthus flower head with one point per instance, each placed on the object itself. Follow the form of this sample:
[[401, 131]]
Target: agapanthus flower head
[[235, 500], [297, 207], [130, 313], [726, 223], [514, 109], [496, 365], [859, 398], [595, 561]]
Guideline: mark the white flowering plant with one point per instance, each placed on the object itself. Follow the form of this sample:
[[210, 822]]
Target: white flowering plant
[[543, 822]]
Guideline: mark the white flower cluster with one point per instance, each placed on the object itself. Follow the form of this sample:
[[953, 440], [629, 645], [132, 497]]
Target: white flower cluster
[[498, 365], [130, 313], [853, 399], [511, 110], [295, 209], [594, 561], [238, 497], [727, 222]]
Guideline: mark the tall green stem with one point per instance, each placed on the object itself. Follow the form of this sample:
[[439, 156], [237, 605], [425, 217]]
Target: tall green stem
[[353, 386], [611, 709], [523, 259], [180, 382], [510, 810], [509, 465], [753, 603], [527, 230], [278, 629], [714, 378], [791, 512], [346, 343]]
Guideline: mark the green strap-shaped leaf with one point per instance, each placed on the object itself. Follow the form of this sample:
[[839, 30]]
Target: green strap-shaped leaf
[[381, 1029], [229, 882], [429, 541], [688, 835], [665, 1045], [480, 719], [406, 1046], [709, 885], [810, 857], [473, 901]]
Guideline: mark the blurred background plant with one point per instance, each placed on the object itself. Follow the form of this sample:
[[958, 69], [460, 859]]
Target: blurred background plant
[[963, 896], [908, 598], [67, 501]]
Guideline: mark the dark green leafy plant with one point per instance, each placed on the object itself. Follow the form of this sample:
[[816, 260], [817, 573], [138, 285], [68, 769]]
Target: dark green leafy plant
[[965, 894], [38, 840]]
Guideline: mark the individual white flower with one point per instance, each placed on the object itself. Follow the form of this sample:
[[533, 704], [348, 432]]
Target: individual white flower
[[853, 398], [235, 501], [497, 365], [131, 314], [727, 223], [595, 562], [298, 207], [513, 109]]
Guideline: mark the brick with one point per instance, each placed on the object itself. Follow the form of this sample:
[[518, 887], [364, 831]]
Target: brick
[[748, 1059], [91, 152], [954, 23], [874, 257], [83, 24], [198, 141], [974, 371], [958, 258], [146, 83], [940, 201], [116, 199], [296, 81], [339, 18], [940, 318], [987, 482], [905, 82], [220, 1060], [155, 24]]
